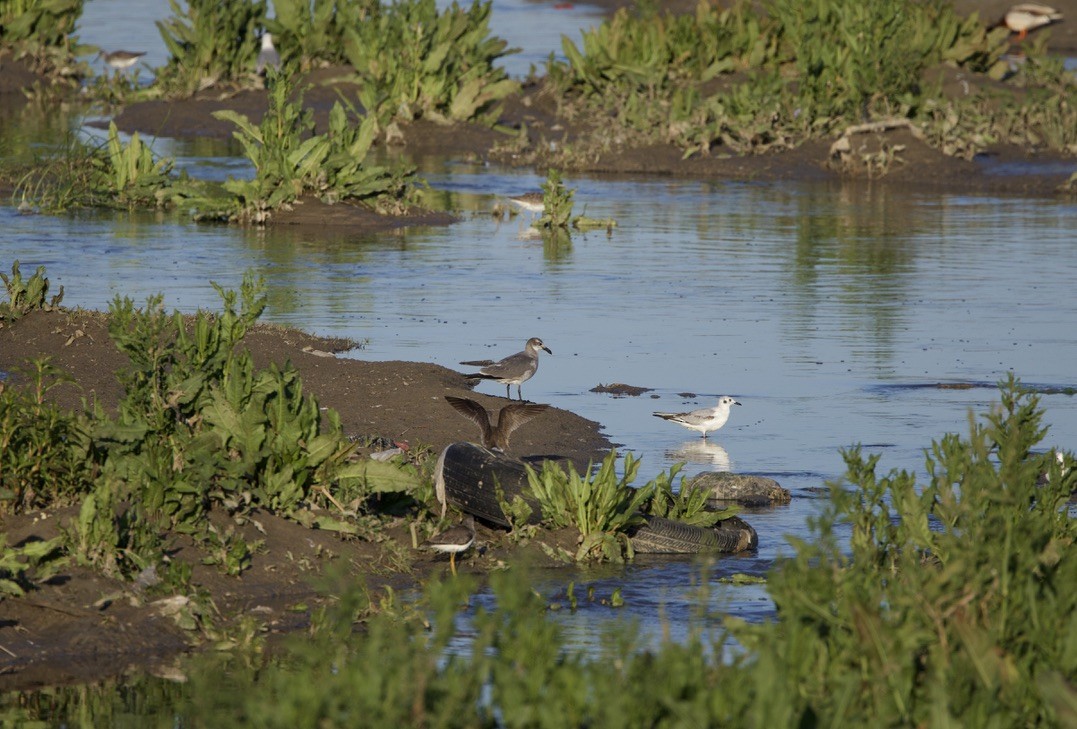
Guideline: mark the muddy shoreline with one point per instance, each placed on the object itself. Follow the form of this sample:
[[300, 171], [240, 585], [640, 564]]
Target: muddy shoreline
[[80, 626]]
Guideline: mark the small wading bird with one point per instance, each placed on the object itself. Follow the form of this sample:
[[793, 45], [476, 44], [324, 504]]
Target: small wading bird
[[509, 418], [454, 540], [531, 202], [1026, 17], [120, 60], [705, 419], [514, 369], [267, 57]]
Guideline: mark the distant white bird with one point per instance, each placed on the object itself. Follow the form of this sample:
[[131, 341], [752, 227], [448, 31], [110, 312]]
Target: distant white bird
[[514, 369], [705, 419], [268, 57], [1027, 17]]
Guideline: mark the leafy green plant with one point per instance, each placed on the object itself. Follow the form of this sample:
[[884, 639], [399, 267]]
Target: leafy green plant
[[312, 32], [210, 43], [688, 504], [40, 558], [134, 175], [601, 505], [556, 201], [199, 427], [40, 30], [291, 160], [44, 448], [111, 175], [802, 68], [414, 61], [26, 296]]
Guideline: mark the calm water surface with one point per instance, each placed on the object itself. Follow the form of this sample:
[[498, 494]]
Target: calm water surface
[[827, 310]]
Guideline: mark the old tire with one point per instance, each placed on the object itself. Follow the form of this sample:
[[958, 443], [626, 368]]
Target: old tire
[[468, 477], [665, 536]]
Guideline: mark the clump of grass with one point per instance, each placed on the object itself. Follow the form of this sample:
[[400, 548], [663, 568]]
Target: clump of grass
[[210, 43], [197, 428], [601, 505], [754, 83], [25, 296], [308, 34], [556, 201], [688, 504], [110, 175], [40, 31], [291, 160], [415, 61], [44, 448]]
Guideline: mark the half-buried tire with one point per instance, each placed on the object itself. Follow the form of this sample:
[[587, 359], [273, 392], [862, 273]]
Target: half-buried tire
[[666, 536]]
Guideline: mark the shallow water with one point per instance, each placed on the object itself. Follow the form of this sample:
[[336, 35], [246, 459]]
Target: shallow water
[[828, 311]]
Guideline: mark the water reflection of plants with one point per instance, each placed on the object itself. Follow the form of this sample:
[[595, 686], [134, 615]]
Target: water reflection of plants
[[950, 602]]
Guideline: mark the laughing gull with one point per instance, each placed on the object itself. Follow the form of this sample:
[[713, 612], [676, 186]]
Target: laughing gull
[[509, 418], [268, 57], [514, 369], [453, 540], [704, 419]]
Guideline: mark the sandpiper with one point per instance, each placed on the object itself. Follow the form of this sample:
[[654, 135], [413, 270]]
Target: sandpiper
[[531, 202], [509, 418], [1026, 17], [704, 419], [120, 60], [268, 57], [454, 540], [514, 369]]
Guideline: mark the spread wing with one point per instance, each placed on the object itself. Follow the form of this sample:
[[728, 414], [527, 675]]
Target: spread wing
[[514, 415], [472, 411]]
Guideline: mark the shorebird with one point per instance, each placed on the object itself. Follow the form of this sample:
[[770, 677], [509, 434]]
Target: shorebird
[[704, 419], [531, 202], [453, 540], [1021, 19], [514, 369], [120, 60], [268, 57], [509, 418]]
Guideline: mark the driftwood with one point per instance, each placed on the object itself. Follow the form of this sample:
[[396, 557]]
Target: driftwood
[[469, 477]]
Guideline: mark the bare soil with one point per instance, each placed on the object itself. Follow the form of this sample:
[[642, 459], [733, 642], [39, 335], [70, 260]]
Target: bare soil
[[80, 626]]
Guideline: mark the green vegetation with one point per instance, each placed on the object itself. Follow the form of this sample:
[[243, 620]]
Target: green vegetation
[[688, 504], [26, 296], [198, 428], [601, 505], [734, 80], [291, 160], [39, 31], [211, 43], [413, 61], [946, 603], [106, 175], [312, 33]]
